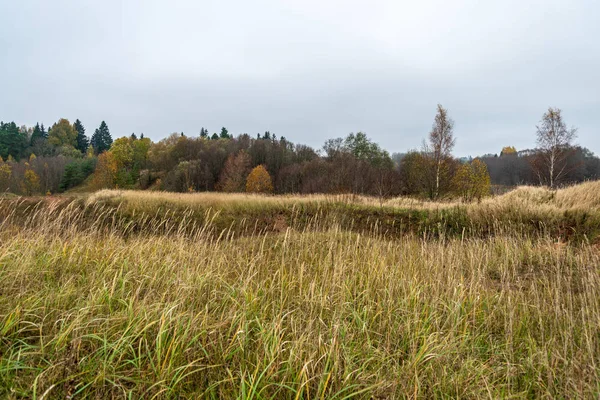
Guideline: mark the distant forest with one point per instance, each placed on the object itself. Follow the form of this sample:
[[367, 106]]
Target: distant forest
[[36, 160]]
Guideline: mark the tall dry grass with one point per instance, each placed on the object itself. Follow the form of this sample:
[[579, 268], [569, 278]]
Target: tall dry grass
[[584, 196], [92, 310]]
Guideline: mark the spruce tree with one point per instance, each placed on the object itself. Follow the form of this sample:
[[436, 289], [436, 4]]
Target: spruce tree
[[82, 140], [101, 139], [224, 133], [37, 134], [12, 140], [43, 131]]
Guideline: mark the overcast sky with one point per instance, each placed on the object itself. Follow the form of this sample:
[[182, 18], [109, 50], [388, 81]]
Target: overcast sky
[[305, 69]]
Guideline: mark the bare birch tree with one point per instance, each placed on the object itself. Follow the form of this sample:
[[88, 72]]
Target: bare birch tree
[[441, 143], [554, 142]]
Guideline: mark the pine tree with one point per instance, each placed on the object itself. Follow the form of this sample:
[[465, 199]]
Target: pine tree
[[203, 133], [43, 132], [13, 141], [101, 139], [82, 140], [36, 135], [224, 133], [214, 136]]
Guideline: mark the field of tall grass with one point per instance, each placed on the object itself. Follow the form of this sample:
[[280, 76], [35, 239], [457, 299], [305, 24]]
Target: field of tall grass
[[156, 295]]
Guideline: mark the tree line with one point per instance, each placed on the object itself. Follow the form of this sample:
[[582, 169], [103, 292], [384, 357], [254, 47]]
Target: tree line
[[36, 161]]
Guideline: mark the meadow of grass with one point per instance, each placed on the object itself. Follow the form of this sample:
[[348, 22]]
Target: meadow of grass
[[101, 298]]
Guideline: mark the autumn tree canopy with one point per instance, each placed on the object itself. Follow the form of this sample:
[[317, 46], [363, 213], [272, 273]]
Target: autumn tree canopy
[[63, 133], [233, 177], [259, 181]]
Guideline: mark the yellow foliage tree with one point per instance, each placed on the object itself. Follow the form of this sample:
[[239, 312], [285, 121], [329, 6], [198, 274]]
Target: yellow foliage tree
[[472, 181], [481, 179], [463, 181], [508, 150], [106, 171], [5, 173], [31, 182], [122, 152], [62, 133], [259, 181]]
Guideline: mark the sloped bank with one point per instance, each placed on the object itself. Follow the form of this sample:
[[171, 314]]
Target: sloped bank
[[130, 213]]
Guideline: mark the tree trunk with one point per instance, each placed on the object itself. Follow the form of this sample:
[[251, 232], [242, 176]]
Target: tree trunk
[[437, 179]]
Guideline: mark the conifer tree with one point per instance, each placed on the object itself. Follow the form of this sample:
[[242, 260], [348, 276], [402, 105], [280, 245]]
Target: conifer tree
[[36, 135], [82, 140], [43, 132], [13, 141], [224, 133], [101, 139]]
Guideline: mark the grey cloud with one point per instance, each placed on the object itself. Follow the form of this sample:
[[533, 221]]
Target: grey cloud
[[307, 70]]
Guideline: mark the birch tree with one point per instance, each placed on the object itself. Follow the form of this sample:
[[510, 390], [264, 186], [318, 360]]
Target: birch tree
[[554, 142], [441, 143]]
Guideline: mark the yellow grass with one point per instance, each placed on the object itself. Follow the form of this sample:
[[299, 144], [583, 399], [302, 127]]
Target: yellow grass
[[90, 310], [585, 196]]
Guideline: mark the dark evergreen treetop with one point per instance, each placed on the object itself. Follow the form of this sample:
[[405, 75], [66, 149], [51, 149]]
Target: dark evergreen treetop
[[224, 133], [12, 140], [44, 132], [82, 140], [101, 139], [36, 135]]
